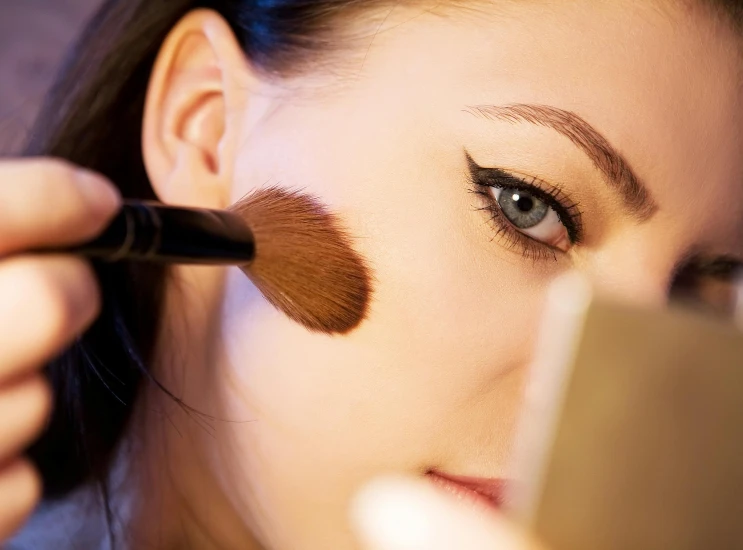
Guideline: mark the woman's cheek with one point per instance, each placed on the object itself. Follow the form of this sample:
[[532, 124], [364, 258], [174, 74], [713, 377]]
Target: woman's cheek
[[428, 346]]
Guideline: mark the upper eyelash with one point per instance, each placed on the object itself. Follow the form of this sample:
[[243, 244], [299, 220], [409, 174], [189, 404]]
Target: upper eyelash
[[567, 211]]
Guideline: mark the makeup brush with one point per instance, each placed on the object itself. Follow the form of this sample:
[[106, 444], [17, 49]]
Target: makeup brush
[[290, 246]]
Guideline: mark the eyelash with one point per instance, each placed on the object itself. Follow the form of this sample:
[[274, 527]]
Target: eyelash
[[568, 212]]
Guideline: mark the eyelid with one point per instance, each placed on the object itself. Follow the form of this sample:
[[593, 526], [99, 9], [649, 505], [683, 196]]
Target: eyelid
[[720, 267], [568, 211]]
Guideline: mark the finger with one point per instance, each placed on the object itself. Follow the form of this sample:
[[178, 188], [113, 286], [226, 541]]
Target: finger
[[44, 303], [20, 490], [46, 202], [403, 514], [24, 408]]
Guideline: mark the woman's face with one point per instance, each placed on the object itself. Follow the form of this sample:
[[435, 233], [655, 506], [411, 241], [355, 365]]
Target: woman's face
[[612, 131]]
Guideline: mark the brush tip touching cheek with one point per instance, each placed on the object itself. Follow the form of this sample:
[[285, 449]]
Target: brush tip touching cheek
[[305, 263]]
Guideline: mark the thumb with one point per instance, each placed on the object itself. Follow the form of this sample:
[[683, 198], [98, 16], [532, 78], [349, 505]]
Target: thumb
[[398, 513]]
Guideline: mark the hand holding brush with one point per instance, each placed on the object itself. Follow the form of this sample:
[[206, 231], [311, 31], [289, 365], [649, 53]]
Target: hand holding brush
[[287, 243], [45, 302]]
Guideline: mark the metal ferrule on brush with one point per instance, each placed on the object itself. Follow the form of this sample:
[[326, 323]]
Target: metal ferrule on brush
[[148, 231]]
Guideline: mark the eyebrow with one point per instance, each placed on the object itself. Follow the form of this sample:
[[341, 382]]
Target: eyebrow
[[620, 175]]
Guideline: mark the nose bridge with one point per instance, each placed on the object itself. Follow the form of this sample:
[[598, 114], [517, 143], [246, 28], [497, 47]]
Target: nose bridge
[[637, 272], [635, 286]]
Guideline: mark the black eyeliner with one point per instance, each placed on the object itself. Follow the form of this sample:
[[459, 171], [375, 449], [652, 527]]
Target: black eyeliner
[[569, 215]]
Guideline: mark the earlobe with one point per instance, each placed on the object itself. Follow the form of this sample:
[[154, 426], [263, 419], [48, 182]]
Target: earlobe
[[186, 138]]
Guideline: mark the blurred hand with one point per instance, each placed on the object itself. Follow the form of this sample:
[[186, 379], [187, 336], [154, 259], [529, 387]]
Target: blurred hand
[[45, 302], [408, 514]]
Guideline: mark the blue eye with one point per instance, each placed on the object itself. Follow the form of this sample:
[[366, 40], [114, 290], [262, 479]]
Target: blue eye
[[531, 216], [528, 213], [522, 210]]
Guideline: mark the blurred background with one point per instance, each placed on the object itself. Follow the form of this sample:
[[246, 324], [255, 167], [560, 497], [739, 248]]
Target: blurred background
[[34, 35]]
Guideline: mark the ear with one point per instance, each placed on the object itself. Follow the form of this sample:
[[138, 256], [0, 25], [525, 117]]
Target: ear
[[189, 143]]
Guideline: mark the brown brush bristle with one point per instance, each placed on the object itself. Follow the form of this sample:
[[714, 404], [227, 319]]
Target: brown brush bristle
[[305, 265]]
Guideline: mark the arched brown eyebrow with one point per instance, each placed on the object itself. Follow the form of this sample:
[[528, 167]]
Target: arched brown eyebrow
[[635, 195]]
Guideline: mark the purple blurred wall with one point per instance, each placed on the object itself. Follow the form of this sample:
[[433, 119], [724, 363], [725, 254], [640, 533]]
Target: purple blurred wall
[[33, 37]]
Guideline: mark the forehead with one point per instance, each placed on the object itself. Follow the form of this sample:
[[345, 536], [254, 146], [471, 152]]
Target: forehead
[[661, 82]]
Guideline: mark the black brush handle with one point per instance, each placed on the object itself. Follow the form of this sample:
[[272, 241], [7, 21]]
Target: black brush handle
[[152, 232]]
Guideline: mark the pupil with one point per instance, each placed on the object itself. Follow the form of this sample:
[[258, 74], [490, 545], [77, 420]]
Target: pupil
[[522, 209], [525, 204]]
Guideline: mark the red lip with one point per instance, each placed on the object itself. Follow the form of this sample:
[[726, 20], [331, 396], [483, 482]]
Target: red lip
[[474, 490]]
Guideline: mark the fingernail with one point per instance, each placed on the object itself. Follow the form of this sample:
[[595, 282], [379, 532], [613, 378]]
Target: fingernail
[[101, 196]]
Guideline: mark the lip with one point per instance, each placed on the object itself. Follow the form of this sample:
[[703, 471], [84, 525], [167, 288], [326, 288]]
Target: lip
[[475, 491]]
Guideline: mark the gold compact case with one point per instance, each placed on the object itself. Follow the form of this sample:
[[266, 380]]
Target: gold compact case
[[632, 437]]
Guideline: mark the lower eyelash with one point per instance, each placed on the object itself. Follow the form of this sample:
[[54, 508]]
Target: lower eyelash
[[510, 238]]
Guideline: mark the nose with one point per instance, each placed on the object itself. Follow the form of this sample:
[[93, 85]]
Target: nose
[[634, 271]]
